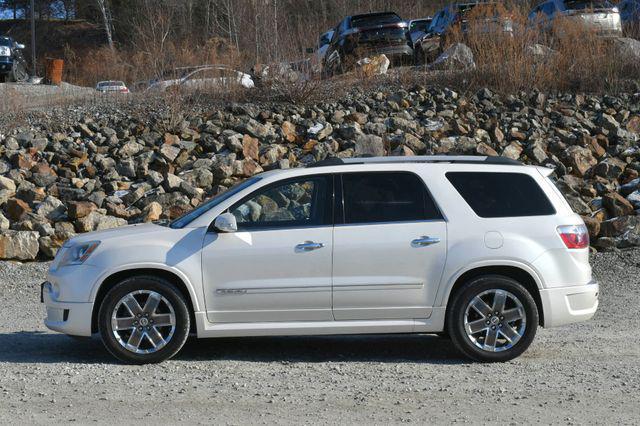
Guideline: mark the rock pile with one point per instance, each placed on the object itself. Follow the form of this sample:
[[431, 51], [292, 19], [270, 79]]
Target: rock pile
[[107, 170]]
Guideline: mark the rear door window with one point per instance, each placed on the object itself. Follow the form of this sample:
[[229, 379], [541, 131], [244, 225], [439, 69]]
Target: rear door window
[[386, 197], [492, 195]]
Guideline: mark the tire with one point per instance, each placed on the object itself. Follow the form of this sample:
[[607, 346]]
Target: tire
[[481, 335], [20, 73], [137, 304]]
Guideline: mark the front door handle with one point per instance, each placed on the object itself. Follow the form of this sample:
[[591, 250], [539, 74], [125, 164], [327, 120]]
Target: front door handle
[[425, 241], [309, 246]]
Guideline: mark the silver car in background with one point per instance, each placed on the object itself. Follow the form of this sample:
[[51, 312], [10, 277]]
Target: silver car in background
[[600, 15], [112, 86]]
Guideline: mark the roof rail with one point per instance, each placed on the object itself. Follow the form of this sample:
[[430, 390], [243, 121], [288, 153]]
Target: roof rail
[[453, 159]]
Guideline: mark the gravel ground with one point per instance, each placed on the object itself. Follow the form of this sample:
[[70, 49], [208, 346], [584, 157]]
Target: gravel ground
[[585, 373]]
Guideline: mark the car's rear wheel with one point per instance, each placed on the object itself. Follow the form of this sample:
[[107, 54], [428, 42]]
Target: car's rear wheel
[[144, 320], [492, 318]]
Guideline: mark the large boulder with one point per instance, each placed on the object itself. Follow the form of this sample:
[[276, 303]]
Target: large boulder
[[375, 65], [455, 58], [19, 245], [627, 49]]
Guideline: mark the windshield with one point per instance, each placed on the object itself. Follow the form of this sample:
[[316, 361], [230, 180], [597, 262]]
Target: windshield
[[374, 19], [587, 5], [5, 41], [111, 83], [186, 219]]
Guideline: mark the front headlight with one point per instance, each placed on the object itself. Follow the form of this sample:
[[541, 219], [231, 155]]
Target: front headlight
[[5, 51], [76, 254]]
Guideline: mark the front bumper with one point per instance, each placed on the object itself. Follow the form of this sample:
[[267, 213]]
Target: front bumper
[[66, 317], [567, 305]]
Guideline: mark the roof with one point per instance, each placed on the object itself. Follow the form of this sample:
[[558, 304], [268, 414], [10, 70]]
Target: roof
[[453, 159]]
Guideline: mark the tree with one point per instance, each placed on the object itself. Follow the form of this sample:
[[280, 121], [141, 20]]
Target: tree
[[107, 20]]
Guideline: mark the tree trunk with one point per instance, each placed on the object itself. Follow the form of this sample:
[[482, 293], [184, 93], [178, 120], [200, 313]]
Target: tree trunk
[[105, 11]]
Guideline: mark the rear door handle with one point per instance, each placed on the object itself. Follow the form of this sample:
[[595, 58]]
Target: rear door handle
[[309, 246], [425, 241]]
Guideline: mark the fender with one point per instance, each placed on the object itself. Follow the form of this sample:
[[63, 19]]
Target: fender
[[444, 291], [148, 265]]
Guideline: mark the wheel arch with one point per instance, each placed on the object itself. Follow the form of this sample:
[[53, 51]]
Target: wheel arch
[[111, 280], [522, 276]]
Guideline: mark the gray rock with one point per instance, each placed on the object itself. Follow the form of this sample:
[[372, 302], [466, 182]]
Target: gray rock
[[457, 57], [369, 146]]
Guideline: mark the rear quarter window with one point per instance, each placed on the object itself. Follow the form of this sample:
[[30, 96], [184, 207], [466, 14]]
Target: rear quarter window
[[492, 195]]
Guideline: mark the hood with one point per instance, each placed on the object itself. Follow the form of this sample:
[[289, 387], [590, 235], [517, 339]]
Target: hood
[[129, 232]]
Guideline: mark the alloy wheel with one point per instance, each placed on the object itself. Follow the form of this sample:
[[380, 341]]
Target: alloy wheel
[[495, 320], [143, 322]]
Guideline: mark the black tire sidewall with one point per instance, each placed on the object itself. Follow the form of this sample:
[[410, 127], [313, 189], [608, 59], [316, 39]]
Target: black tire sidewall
[[461, 299], [168, 291]]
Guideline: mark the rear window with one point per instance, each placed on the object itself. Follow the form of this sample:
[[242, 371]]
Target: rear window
[[372, 20], [582, 5], [492, 195], [386, 197]]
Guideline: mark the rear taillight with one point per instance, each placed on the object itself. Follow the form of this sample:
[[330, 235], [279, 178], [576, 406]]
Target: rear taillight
[[574, 236]]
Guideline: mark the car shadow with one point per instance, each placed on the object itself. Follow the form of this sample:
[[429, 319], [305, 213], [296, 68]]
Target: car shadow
[[42, 347], [362, 348]]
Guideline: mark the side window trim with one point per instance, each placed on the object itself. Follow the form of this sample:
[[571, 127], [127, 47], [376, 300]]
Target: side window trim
[[340, 214], [328, 205]]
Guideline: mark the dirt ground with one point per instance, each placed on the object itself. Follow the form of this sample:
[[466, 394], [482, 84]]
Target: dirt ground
[[584, 373]]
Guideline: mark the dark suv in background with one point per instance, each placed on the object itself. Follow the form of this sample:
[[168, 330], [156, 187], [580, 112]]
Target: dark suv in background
[[458, 20], [630, 17], [360, 36]]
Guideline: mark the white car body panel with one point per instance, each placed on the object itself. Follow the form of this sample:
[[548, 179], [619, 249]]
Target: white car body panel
[[367, 278]]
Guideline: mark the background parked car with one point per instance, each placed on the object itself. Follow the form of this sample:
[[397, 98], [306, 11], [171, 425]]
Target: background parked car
[[12, 64], [321, 50], [630, 17], [418, 28], [600, 15], [204, 77], [112, 86], [457, 21], [360, 36]]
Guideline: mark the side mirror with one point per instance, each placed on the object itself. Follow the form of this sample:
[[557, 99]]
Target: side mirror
[[309, 50], [226, 222], [20, 46]]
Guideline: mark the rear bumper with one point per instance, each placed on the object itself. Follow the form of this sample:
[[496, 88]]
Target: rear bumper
[[396, 51], [567, 305], [66, 317]]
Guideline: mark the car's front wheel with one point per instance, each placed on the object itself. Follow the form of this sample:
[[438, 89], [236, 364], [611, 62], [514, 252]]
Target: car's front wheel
[[492, 318], [144, 319]]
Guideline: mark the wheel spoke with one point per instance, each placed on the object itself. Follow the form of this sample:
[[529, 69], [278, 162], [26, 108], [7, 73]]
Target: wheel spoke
[[480, 306], [132, 304], [152, 303], [155, 337], [512, 315], [508, 332], [135, 338], [477, 326], [124, 323], [160, 320], [491, 339], [499, 301]]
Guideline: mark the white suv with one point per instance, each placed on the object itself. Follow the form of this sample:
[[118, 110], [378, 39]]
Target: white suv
[[480, 249]]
